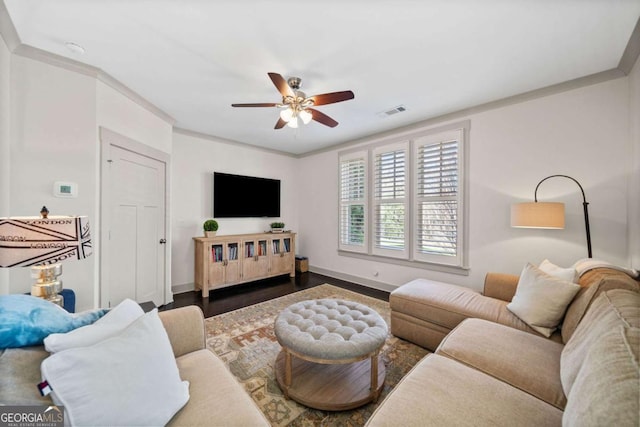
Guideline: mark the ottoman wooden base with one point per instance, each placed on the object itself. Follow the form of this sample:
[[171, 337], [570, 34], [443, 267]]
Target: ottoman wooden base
[[330, 387]]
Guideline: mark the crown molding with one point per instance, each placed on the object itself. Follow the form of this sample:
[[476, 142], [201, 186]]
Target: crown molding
[[589, 80], [214, 138], [631, 52], [91, 71], [15, 45], [627, 61], [12, 40], [7, 29], [138, 99], [49, 58]]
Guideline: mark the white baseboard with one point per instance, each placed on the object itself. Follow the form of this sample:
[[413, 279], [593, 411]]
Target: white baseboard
[[355, 279], [181, 289], [189, 287]]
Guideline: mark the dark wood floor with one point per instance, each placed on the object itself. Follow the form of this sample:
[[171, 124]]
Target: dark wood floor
[[238, 296]]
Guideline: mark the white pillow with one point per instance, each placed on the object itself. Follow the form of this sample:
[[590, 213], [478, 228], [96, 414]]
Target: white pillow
[[569, 274], [128, 380], [541, 300], [111, 324]]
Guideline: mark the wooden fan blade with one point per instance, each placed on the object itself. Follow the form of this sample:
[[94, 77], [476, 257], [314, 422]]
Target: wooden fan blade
[[280, 124], [281, 84], [333, 97], [322, 118], [265, 104]]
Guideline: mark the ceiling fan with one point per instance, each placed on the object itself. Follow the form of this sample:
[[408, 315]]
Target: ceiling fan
[[296, 105]]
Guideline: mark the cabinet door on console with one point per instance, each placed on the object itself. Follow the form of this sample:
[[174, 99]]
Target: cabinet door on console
[[255, 262], [224, 265], [282, 256], [232, 272], [216, 265]]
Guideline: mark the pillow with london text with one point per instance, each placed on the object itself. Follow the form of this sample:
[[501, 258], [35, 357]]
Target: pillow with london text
[[130, 379], [26, 320], [111, 324], [541, 299]]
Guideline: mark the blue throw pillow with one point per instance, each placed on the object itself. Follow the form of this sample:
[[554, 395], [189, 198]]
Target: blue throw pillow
[[26, 320]]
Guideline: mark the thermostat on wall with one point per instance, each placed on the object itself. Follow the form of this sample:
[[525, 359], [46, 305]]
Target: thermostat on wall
[[65, 189]]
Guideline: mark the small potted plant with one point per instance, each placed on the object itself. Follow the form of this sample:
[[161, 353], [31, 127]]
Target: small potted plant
[[210, 227], [277, 227]]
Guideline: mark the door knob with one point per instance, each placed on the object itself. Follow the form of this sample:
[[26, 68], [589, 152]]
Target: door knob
[[163, 241]]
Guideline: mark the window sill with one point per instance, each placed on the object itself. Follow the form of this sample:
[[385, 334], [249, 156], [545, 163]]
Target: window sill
[[444, 268]]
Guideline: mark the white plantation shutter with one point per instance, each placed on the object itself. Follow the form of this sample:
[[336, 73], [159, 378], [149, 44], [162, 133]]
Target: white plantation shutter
[[353, 203], [403, 202], [438, 198], [390, 200]]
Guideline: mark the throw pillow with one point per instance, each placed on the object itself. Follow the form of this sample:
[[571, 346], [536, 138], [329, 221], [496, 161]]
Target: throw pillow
[[131, 379], [26, 320], [569, 274], [541, 300], [111, 324]]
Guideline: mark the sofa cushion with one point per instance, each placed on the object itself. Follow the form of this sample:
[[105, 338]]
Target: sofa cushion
[[609, 311], [129, 379], [417, 331], [606, 390], [19, 374], [500, 285], [109, 325], [541, 299], [439, 391], [525, 361], [592, 283], [447, 305], [216, 397]]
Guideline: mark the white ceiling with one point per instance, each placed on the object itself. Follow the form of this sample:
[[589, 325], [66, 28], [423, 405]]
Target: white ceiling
[[194, 58]]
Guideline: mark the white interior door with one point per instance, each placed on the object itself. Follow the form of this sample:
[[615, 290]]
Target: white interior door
[[134, 248]]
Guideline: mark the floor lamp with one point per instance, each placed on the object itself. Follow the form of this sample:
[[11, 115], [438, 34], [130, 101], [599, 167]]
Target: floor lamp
[[42, 243], [547, 214]]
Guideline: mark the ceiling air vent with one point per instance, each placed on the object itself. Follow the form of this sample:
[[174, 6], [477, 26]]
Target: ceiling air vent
[[394, 110]]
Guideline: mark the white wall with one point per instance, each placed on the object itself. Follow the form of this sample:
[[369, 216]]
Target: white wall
[[120, 114], [53, 138], [54, 117], [5, 84], [634, 184], [194, 160], [583, 133]]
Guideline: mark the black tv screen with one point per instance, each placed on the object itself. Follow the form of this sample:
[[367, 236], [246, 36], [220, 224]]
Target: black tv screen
[[237, 196]]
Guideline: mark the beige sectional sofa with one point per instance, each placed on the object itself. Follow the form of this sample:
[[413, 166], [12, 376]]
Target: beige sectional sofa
[[216, 398], [490, 369]]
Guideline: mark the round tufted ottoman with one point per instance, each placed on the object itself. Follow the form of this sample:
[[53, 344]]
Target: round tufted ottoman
[[336, 345]]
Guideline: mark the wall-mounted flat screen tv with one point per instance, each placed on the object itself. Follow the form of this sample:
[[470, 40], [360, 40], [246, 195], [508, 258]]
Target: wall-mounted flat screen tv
[[238, 196]]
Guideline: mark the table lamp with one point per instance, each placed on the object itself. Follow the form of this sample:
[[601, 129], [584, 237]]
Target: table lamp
[[43, 243]]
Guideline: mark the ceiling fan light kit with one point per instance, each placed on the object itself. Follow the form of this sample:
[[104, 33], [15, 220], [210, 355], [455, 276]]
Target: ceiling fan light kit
[[293, 112], [305, 116], [297, 106]]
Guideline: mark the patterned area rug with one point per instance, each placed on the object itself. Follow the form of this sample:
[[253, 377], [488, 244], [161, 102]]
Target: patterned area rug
[[245, 340]]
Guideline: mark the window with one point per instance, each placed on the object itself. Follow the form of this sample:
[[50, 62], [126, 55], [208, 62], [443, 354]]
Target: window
[[437, 198], [353, 203], [390, 200], [415, 199]]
